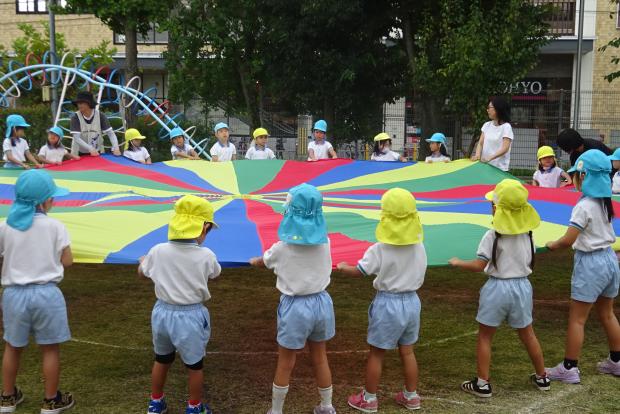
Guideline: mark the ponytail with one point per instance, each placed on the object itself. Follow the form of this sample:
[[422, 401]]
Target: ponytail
[[608, 207], [533, 250], [494, 251], [442, 150]]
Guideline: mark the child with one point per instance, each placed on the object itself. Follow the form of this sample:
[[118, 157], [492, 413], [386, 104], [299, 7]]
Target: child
[[382, 151], [399, 261], [437, 143], [302, 264], [54, 152], [180, 271], [319, 148], [35, 249], [549, 175], [222, 150], [506, 254], [133, 147], [596, 275], [615, 163], [258, 149], [15, 147], [180, 149]]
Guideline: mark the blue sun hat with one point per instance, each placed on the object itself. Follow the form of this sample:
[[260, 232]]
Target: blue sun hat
[[56, 130], [14, 121], [321, 125], [303, 221], [32, 188], [437, 137], [597, 167], [176, 132], [615, 156], [220, 125]]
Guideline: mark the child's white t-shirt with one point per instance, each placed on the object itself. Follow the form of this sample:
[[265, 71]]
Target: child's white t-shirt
[[398, 268], [53, 154], [493, 139], [33, 256], [180, 272], [18, 151], [615, 184], [174, 149], [223, 153], [596, 232], [321, 150], [141, 155], [549, 178], [439, 158], [300, 269], [513, 255], [385, 156], [256, 153]]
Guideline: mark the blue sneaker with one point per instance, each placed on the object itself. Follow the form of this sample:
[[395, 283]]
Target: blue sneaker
[[158, 407], [201, 409]]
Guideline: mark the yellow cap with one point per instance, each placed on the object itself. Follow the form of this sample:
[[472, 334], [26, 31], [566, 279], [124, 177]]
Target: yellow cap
[[132, 134], [381, 137], [513, 214], [400, 223], [545, 151], [190, 214], [259, 132]]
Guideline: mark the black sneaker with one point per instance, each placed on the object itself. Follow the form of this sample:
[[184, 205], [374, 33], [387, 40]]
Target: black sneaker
[[542, 383], [473, 388], [8, 403], [62, 402]]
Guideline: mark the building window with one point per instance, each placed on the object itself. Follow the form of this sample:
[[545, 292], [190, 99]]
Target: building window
[[153, 37], [618, 16], [34, 6]]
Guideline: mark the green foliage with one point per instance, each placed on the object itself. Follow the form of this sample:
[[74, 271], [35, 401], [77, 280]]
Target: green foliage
[[615, 44], [102, 53], [36, 41]]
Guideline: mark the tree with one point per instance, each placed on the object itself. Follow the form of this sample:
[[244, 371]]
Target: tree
[[461, 52], [128, 17], [613, 43]]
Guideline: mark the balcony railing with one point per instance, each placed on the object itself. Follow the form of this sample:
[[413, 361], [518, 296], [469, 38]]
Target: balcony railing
[[562, 19]]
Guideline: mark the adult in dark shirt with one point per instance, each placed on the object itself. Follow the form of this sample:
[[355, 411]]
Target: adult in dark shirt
[[571, 142]]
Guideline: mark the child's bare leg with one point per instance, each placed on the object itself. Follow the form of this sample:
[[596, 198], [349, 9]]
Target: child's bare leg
[[10, 366], [322, 373], [485, 337], [605, 311], [410, 367], [528, 337], [286, 363], [196, 382], [159, 374], [51, 369], [577, 317], [374, 366]]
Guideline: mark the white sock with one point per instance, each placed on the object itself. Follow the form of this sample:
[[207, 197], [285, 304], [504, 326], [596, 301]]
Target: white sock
[[481, 382], [278, 394], [368, 396], [409, 395], [326, 396]]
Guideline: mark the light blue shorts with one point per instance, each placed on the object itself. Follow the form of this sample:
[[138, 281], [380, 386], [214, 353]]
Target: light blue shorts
[[595, 274], [506, 299], [305, 318], [39, 310], [394, 319], [182, 328]]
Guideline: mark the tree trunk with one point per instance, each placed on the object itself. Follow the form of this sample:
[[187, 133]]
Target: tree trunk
[[131, 65], [329, 114], [431, 122], [249, 96]]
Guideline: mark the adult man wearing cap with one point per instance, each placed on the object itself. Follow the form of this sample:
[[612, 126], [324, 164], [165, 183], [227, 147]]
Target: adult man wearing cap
[[88, 125]]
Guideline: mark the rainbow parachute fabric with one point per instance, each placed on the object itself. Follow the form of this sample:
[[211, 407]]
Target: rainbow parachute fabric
[[118, 209]]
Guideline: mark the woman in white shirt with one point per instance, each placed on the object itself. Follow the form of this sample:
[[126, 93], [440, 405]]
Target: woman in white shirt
[[496, 137]]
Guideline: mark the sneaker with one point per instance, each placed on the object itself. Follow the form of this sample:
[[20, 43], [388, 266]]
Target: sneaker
[[9, 403], [57, 406], [158, 407], [201, 409], [559, 373], [473, 388], [411, 404], [358, 402], [324, 410], [543, 383], [605, 367]]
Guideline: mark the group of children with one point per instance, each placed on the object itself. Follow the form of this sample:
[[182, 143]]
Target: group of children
[[181, 268]]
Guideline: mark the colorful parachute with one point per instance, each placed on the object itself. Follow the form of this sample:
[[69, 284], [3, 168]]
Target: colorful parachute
[[118, 209]]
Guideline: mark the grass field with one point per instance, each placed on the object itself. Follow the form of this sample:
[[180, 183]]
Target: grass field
[[107, 365]]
